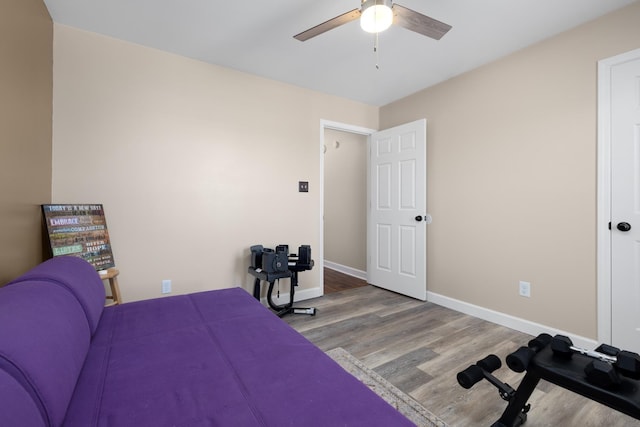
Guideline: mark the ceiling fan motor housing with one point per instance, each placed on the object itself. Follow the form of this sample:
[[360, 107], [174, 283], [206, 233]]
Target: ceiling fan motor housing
[[376, 16]]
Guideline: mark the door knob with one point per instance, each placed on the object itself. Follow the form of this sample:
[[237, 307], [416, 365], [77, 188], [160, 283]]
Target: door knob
[[623, 226], [419, 218]]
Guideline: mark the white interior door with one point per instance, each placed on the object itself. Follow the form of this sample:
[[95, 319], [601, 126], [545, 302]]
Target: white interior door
[[625, 205], [397, 238]]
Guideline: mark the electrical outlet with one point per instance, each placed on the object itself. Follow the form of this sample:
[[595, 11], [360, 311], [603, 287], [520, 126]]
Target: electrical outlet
[[525, 289], [303, 186], [166, 286]]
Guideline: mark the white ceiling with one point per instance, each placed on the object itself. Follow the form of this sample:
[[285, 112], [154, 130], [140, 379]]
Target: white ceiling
[[257, 37]]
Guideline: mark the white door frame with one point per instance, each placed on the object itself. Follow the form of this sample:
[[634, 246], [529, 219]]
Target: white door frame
[[328, 124], [604, 193]]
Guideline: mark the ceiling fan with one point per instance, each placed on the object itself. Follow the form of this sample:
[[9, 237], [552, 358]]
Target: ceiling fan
[[377, 15]]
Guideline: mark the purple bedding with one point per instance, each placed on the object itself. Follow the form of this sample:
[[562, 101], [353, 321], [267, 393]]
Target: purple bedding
[[215, 358]]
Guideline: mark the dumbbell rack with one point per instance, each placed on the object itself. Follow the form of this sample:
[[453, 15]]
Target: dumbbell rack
[[568, 373]]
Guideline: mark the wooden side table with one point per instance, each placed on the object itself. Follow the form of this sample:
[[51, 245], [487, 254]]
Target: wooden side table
[[111, 274]]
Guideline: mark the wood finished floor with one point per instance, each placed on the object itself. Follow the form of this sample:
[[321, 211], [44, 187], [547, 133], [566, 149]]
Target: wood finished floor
[[420, 347], [335, 281]]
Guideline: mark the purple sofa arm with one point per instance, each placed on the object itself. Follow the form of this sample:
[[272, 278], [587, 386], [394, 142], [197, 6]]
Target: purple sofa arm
[[78, 277], [47, 318], [19, 409]]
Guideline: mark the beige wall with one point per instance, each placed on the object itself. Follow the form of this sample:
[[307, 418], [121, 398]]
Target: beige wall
[[193, 163], [26, 52], [182, 154], [512, 176], [345, 199]]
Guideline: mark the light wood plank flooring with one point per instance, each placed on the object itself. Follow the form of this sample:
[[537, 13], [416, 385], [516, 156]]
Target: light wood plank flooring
[[420, 347]]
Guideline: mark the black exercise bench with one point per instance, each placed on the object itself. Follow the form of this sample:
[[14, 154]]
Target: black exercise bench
[[606, 375]]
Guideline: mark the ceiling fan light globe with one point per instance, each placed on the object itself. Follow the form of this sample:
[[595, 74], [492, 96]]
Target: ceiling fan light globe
[[376, 16]]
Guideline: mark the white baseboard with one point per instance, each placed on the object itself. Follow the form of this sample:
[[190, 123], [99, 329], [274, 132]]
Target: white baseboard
[[346, 270], [507, 320]]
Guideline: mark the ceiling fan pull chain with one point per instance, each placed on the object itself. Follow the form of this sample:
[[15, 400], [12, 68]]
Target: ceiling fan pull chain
[[375, 50]]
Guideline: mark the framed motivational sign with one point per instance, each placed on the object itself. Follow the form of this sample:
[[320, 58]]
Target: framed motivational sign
[[79, 230]]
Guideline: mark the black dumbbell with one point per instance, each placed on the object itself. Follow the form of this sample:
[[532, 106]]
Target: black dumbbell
[[608, 350], [562, 346], [518, 361], [627, 362], [474, 373], [602, 374]]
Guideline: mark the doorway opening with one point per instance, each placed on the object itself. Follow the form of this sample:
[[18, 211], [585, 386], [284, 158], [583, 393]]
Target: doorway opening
[[396, 216], [343, 264]]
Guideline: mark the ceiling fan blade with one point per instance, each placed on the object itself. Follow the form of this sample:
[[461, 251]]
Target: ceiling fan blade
[[415, 21], [328, 25]]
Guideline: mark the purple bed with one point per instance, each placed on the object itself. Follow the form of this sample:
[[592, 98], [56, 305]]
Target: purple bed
[[216, 358]]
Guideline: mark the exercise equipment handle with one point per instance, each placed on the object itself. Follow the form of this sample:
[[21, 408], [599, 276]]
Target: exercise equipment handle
[[470, 376], [595, 354]]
